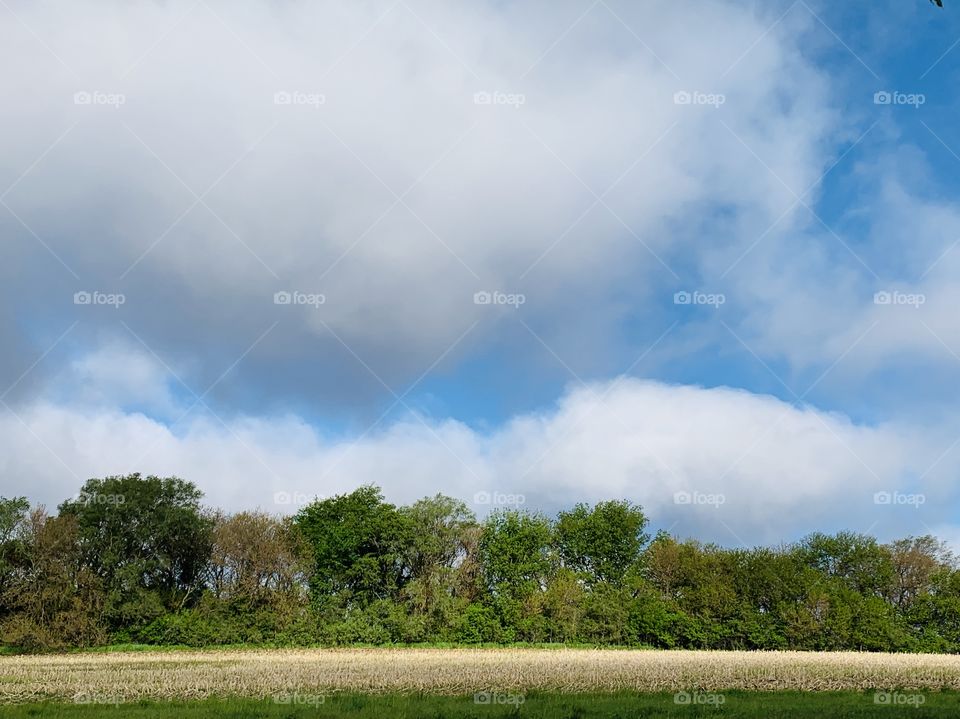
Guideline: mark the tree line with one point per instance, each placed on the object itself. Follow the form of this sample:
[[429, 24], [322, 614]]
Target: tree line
[[136, 559]]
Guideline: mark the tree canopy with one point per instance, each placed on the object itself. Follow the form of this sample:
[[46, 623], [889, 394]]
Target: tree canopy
[[140, 559]]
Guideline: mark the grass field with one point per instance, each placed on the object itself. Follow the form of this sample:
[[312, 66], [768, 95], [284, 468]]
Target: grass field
[[756, 705], [302, 677]]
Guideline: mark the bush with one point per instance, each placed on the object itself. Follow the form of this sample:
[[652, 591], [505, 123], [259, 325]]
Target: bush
[[478, 625]]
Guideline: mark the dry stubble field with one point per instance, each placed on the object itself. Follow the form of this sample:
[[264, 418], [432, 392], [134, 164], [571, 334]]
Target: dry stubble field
[[256, 674]]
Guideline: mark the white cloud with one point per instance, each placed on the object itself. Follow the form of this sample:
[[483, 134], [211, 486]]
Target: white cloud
[[494, 190], [116, 374], [867, 303], [781, 470], [303, 196]]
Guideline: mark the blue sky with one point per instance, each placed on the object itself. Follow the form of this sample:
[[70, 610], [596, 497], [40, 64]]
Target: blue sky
[[790, 169]]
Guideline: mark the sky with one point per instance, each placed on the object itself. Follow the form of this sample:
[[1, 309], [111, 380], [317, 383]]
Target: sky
[[699, 255]]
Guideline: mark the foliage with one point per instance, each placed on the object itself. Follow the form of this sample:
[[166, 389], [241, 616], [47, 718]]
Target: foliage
[[602, 543], [358, 543], [146, 539], [134, 559], [13, 524]]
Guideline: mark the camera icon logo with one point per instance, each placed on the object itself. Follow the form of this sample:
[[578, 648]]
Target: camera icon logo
[[282, 298], [882, 98], [82, 298]]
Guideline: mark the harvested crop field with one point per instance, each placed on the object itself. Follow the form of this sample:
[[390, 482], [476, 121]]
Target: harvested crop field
[[122, 677]]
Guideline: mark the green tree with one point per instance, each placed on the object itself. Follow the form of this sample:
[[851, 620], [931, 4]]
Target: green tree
[[146, 538], [856, 559], [603, 543], [13, 525], [515, 552], [562, 606], [934, 617], [358, 543], [437, 558]]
